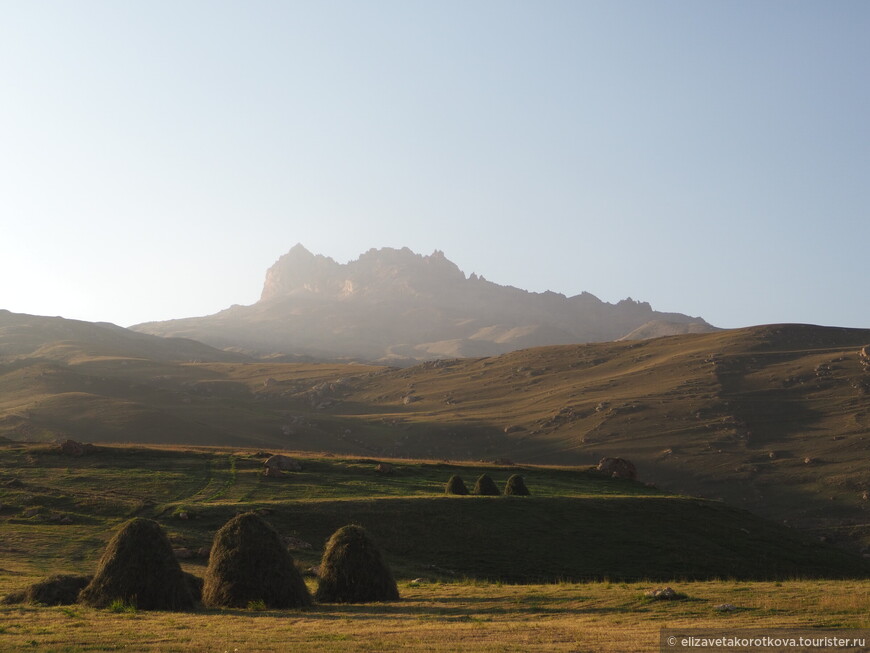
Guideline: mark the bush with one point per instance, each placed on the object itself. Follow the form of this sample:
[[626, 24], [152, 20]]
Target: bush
[[456, 486], [250, 565], [353, 570], [138, 568], [485, 486], [516, 486]]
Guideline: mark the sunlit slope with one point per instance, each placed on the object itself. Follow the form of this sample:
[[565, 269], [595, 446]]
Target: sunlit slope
[[576, 525]]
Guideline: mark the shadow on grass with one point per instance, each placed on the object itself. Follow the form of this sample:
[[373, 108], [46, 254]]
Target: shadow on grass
[[464, 609]]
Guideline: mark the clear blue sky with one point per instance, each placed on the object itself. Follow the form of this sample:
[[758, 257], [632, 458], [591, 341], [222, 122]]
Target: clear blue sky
[[711, 158]]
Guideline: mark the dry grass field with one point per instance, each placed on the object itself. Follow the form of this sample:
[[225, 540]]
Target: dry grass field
[[462, 617]]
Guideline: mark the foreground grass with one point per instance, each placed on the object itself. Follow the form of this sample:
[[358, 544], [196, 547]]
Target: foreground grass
[[462, 616]]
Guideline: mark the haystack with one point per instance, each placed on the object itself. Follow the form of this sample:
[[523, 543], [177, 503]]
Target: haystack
[[139, 569], [248, 563], [516, 486], [60, 589], [485, 486], [353, 570], [456, 486]]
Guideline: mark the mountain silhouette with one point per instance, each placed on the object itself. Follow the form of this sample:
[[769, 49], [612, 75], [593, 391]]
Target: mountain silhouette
[[399, 307]]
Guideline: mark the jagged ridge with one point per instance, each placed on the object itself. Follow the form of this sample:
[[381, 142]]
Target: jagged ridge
[[396, 306]]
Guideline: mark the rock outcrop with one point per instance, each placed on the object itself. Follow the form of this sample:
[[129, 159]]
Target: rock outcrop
[[618, 468]]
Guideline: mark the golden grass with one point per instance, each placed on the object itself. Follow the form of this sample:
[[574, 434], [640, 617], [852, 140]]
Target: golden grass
[[467, 617]]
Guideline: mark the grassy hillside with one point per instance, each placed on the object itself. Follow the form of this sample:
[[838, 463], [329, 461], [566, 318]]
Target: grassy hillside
[[773, 419], [577, 525]]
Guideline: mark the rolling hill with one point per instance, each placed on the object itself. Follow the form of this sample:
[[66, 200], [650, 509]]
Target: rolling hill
[[774, 418]]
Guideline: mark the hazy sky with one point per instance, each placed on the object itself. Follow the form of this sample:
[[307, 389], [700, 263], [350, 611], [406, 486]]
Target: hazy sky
[[712, 158]]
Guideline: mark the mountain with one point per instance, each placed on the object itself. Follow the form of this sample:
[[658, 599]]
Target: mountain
[[394, 306]]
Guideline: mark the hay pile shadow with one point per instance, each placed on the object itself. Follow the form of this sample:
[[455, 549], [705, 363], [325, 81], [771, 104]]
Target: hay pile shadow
[[139, 568], [60, 589], [485, 486], [516, 486], [353, 570], [455, 486], [249, 563], [194, 584]]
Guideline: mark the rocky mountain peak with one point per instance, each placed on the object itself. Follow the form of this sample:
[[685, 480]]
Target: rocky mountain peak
[[300, 271], [377, 271], [395, 306]]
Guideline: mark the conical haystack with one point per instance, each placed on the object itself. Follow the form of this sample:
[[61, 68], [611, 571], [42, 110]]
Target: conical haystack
[[138, 568], [248, 562], [516, 486], [353, 570], [485, 486], [456, 486]]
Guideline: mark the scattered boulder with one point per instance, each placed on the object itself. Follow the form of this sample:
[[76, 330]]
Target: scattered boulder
[[485, 486], [139, 568], [725, 607], [249, 562], [274, 465], [664, 594], [60, 589], [75, 449], [456, 486], [618, 468], [353, 570], [384, 468], [516, 486]]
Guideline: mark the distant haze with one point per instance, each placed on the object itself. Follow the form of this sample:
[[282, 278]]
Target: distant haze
[[710, 158]]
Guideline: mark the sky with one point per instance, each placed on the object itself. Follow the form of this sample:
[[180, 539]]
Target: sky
[[711, 158]]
